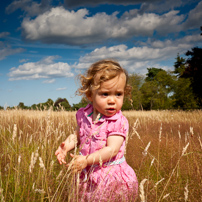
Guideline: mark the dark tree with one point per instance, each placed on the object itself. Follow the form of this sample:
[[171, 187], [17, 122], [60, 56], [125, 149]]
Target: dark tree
[[183, 97], [179, 65], [193, 71]]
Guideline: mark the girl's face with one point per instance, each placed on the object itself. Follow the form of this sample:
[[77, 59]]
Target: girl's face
[[108, 99]]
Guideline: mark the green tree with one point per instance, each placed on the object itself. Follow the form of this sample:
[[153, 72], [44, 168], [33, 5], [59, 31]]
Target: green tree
[[49, 103], [136, 81], [34, 107], [62, 103], [152, 72], [157, 89], [149, 94], [21, 105], [166, 82], [82, 103]]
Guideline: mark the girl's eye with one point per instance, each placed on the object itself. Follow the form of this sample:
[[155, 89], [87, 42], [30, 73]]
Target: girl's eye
[[119, 94], [105, 94]]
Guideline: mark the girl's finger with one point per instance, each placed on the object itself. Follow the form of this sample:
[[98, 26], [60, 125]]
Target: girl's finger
[[63, 161], [72, 155], [56, 152]]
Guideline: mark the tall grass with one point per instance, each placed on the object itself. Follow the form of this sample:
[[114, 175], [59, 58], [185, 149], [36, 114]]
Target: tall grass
[[164, 148]]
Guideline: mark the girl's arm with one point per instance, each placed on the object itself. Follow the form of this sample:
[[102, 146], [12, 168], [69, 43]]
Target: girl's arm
[[105, 154], [113, 146], [67, 146]]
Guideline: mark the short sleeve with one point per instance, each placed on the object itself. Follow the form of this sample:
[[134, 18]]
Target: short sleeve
[[118, 127], [79, 116]]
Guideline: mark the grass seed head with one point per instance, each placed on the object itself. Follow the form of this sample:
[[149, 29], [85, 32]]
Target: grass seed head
[[142, 195]]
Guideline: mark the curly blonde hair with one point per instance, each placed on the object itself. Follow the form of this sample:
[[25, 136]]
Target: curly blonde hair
[[99, 72]]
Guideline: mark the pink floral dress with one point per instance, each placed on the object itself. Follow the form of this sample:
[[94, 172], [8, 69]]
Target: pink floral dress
[[108, 181]]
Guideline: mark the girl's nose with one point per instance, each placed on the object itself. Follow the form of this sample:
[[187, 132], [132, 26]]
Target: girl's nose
[[111, 100]]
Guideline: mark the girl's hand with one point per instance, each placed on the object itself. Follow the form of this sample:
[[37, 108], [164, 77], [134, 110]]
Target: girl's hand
[[61, 153], [78, 163]]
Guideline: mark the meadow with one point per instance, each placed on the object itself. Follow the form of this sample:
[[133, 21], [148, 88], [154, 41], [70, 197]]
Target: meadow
[[163, 147]]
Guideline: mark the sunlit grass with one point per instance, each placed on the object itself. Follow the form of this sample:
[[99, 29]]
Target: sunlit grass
[[164, 148]]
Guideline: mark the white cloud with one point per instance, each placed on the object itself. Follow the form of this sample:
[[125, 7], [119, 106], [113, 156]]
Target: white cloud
[[137, 58], [77, 28], [59, 89], [45, 69]]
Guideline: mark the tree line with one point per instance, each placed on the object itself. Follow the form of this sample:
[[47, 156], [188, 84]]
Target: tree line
[[158, 90]]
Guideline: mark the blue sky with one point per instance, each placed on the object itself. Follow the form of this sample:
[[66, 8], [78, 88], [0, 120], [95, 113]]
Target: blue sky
[[45, 44]]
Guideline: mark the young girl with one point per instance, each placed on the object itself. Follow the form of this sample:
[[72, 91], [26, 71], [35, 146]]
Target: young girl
[[101, 133]]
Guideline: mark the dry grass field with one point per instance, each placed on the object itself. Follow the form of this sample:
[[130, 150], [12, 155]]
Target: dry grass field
[[164, 148]]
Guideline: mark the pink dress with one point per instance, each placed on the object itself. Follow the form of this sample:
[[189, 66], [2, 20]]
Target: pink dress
[[111, 181]]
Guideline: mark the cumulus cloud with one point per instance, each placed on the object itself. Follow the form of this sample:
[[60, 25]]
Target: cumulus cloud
[[32, 8], [137, 58], [44, 69], [78, 28]]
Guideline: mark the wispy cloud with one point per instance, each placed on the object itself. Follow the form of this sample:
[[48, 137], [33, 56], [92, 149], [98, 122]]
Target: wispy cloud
[[49, 81], [6, 51], [23, 60], [73, 3], [31, 7], [43, 69], [151, 5], [4, 34], [59, 89]]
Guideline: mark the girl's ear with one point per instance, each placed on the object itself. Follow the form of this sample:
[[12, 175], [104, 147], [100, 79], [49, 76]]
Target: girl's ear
[[89, 97]]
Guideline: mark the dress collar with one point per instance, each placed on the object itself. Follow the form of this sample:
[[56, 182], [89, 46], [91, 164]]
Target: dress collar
[[88, 110]]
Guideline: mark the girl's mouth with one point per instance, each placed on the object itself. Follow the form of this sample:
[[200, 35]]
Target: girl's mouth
[[111, 110]]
